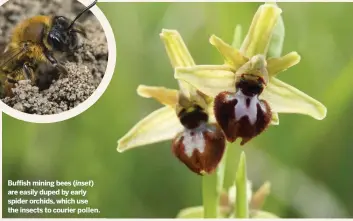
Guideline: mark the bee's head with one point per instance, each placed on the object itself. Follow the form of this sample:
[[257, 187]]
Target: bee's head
[[60, 38], [63, 34]]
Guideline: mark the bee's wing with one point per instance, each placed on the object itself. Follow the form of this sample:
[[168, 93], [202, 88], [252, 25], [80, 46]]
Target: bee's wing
[[9, 55]]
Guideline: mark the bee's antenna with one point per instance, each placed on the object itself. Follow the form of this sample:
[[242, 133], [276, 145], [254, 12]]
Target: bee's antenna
[[81, 13]]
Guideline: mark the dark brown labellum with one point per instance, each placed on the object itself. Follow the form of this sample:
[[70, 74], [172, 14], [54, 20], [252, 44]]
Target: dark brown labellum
[[200, 149], [241, 114]]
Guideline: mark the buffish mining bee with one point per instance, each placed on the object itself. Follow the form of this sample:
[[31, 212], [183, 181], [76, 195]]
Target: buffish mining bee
[[34, 41]]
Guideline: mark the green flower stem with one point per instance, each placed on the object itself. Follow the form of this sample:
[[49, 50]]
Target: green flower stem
[[210, 195], [211, 190], [241, 201], [231, 157]]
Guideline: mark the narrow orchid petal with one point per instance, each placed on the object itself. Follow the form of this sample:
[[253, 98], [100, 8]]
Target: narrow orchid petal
[[160, 125], [237, 38], [178, 53], [276, 65], [275, 119], [231, 55], [278, 34], [209, 79], [260, 33], [179, 56], [163, 95], [284, 98]]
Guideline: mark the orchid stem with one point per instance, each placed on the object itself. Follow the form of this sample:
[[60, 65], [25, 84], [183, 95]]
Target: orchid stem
[[211, 191], [231, 157], [210, 195], [241, 201]]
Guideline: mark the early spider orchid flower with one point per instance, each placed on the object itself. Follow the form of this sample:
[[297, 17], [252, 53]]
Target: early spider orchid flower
[[186, 117], [248, 96]]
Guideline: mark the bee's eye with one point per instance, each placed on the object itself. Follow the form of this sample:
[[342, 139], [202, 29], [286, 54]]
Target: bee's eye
[[55, 42]]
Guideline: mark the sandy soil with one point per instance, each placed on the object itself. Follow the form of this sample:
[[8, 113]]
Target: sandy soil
[[86, 67]]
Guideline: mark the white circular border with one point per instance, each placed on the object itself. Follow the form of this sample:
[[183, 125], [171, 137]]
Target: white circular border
[[53, 118]]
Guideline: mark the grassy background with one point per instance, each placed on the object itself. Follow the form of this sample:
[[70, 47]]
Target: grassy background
[[309, 162]]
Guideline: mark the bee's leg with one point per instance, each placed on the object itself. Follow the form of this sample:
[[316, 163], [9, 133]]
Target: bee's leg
[[11, 80], [8, 85], [28, 72], [55, 63]]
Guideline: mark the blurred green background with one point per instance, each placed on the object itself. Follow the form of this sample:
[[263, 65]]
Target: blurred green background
[[308, 162]]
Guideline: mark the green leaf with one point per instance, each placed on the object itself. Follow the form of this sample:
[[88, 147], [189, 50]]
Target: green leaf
[[241, 201]]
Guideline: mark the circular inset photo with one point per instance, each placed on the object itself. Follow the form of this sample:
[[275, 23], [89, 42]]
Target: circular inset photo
[[53, 57]]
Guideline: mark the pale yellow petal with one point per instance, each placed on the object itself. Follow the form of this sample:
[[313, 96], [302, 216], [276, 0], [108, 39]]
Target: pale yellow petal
[[231, 55], [260, 32], [274, 119], [276, 65], [163, 95], [160, 125], [276, 45], [178, 53], [237, 38], [179, 56], [284, 98], [209, 79]]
